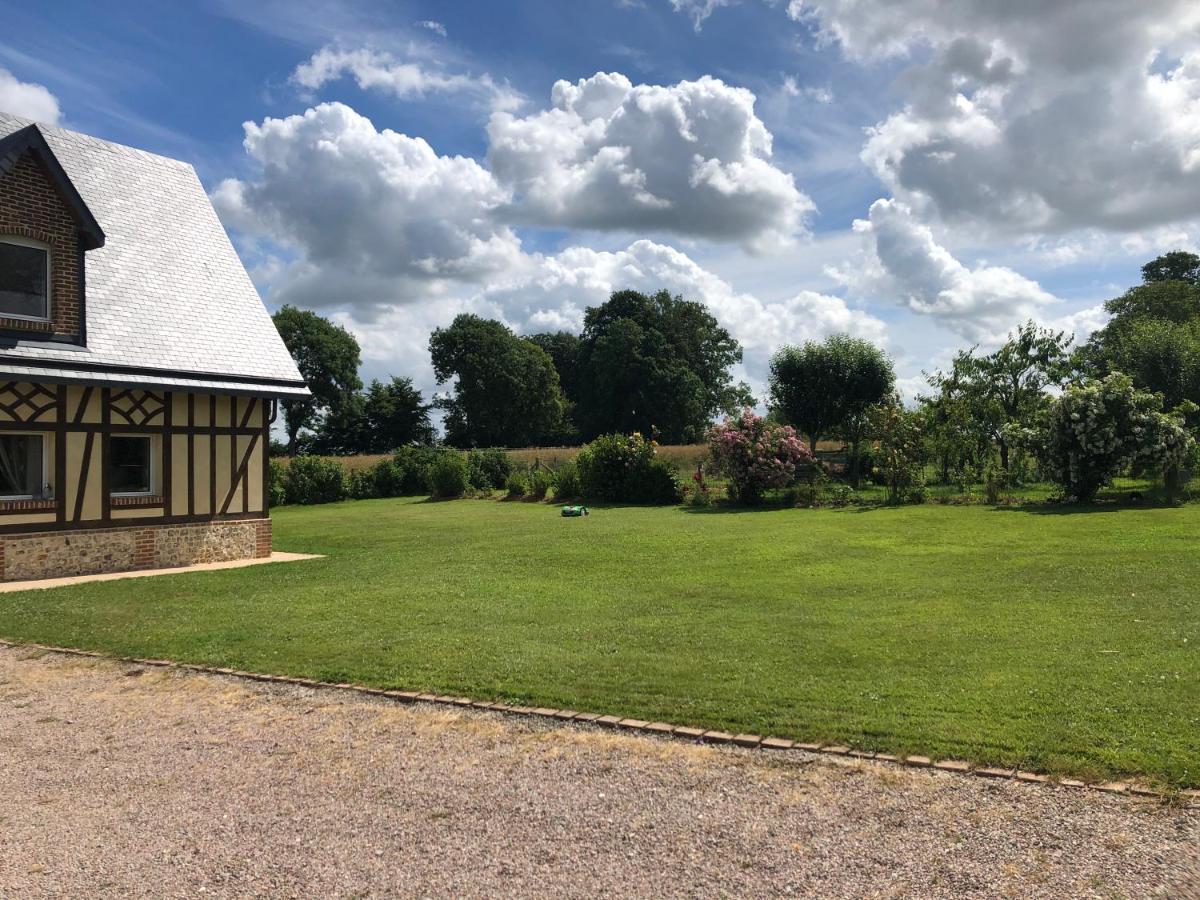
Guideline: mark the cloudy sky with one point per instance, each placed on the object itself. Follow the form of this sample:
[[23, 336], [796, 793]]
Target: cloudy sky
[[922, 173]]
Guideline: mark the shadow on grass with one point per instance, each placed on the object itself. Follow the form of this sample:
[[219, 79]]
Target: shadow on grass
[[717, 509], [1047, 508]]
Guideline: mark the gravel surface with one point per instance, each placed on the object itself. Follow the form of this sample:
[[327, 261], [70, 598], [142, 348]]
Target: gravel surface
[[123, 780]]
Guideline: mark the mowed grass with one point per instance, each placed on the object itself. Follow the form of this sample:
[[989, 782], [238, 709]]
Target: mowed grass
[[1040, 637]]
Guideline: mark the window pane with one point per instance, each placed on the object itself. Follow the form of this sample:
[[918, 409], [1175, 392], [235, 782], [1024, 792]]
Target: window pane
[[22, 281], [129, 465], [21, 465]]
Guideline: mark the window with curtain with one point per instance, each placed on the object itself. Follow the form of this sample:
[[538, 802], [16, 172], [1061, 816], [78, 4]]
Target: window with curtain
[[22, 471], [24, 279], [131, 464]]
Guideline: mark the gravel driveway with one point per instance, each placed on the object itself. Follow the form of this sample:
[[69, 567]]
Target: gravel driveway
[[118, 780]]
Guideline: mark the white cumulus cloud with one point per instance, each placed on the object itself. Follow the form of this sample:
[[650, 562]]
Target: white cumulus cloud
[[33, 101], [1034, 117], [904, 261], [690, 158], [367, 215], [380, 70]]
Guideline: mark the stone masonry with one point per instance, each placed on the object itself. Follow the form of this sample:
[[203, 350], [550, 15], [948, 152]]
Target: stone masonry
[[51, 554]]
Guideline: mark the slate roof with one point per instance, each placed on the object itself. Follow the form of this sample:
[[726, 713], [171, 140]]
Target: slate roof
[[168, 303], [31, 140]]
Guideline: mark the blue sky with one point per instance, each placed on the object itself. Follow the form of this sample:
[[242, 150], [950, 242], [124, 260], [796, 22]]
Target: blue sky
[[923, 174]]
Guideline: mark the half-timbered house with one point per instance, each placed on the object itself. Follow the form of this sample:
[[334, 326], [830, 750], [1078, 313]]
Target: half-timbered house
[[139, 370]]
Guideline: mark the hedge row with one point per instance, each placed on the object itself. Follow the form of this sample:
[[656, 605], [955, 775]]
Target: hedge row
[[613, 468]]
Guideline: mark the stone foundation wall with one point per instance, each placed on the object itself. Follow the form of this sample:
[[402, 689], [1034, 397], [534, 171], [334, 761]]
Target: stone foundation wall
[[52, 554]]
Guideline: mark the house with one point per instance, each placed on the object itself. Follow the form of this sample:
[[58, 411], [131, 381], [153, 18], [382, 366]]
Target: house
[[139, 370]]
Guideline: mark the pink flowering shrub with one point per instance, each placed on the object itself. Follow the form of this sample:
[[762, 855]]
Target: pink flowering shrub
[[755, 455]]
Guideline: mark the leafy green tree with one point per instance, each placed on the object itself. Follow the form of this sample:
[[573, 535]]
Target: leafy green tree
[[901, 454], [563, 348], [385, 416], [1178, 265], [1171, 301], [398, 416], [655, 364], [825, 388], [1154, 333], [1159, 355], [505, 388], [1009, 387], [328, 357], [959, 443]]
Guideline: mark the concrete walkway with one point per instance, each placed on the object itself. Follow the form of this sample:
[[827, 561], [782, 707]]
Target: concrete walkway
[[275, 557]]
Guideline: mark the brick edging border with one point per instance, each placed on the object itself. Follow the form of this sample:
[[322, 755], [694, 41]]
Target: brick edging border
[[640, 726]]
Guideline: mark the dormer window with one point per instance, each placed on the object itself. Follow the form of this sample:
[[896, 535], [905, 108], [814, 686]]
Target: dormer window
[[24, 279]]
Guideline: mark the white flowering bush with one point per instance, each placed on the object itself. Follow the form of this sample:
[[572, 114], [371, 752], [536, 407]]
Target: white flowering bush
[[1093, 432]]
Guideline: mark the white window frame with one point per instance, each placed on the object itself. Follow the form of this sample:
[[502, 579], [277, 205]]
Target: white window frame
[[36, 245], [155, 449], [45, 463]]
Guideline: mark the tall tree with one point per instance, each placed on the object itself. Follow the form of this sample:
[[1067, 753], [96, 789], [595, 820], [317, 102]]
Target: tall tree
[[826, 388], [655, 363], [563, 348], [398, 416], [328, 357], [505, 389], [1154, 333], [384, 417], [1171, 301], [1008, 387], [1178, 265]]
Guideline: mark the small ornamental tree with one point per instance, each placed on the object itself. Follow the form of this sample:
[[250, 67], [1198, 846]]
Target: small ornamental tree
[[1093, 432], [756, 455], [900, 457]]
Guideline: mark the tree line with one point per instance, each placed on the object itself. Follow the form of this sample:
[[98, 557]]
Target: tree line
[[660, 364], [650, 363]]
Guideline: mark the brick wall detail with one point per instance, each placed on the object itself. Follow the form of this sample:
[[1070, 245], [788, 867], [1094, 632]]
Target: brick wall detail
[[30, 207], [51, 554]]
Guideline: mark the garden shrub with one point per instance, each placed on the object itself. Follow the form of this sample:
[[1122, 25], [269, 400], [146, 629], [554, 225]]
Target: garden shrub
[[314, 479], [997, 482], [1095, 431], [448, 475], [360, 484], [517, 484], [413, 465], [625, 469], [539, 483], [566, 481], [756, 455], [276, 486], [388, 478], [488, 469]]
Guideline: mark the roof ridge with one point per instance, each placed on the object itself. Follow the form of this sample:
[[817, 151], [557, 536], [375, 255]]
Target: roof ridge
[[66, 134]]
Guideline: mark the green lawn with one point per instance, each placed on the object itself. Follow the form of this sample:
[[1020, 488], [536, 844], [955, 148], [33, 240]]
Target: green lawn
[[1058, 640]]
